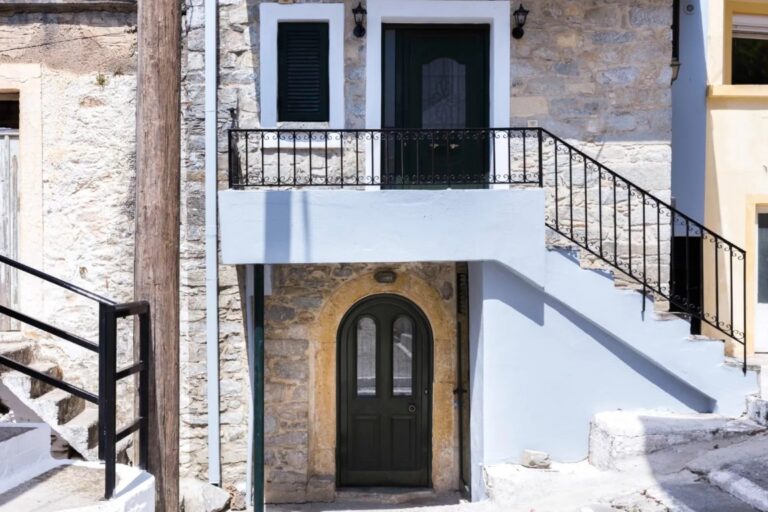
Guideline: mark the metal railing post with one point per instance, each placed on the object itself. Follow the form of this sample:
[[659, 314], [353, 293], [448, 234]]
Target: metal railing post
[[145, 330], [541, 160], [107, 395]]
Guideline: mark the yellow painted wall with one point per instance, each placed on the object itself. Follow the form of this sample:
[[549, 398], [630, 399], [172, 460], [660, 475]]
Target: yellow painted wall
[[737, 162]]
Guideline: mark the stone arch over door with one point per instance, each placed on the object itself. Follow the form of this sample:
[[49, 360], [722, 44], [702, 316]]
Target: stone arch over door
[[323, 379]]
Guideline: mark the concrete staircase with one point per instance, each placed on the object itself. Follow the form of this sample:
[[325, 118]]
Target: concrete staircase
[[31, 480], [73, 421], [709, 382]]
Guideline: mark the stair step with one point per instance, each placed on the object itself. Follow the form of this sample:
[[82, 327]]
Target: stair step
[[84, 427], [60, 405], [37, 387], [617, 436], [20, 352], [757, 410]]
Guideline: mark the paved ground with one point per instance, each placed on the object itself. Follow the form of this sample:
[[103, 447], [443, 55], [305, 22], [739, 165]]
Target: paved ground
[[673, 480], [61, 488]]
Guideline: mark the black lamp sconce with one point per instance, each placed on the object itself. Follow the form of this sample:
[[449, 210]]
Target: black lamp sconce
[[521, 16], [359, 13]]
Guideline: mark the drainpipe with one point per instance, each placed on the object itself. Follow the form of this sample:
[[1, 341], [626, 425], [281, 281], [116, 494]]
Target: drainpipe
[[211, 244]]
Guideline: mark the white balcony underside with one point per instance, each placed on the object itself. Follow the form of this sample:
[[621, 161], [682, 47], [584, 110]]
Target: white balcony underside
[[345, 226]]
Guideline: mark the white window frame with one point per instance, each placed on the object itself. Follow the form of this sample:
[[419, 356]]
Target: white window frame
[[271, 14], [496, 14]]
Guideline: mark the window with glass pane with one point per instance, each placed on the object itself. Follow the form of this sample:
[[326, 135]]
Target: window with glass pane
[[762, 258], [402, 357], [444, 90], [366, 357], [750, 49]]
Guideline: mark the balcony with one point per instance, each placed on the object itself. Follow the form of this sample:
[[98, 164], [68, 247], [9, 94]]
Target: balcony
[[390, 159]]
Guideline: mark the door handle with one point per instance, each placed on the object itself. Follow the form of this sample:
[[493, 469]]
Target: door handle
[[454, 146], [434, 146], [411, 408]]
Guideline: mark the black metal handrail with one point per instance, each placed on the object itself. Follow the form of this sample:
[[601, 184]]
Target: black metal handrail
[[635, 232], [610, 217], [109, 375]]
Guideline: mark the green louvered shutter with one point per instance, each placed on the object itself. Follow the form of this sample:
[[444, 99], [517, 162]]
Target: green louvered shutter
[[302, 74]]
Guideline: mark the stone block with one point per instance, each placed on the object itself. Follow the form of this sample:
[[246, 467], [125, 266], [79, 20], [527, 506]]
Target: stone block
[[197, 496], [535, 459], [528, 106]]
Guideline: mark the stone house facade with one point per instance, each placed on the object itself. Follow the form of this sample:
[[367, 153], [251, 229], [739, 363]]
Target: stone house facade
[[594, 73], [460, 284]]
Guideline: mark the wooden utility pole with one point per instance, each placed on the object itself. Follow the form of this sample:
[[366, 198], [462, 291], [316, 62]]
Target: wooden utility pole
[[156, 263]]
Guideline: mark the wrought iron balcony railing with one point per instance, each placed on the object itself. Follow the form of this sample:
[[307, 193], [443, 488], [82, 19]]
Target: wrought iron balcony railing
[[609, 217], [389, 158]]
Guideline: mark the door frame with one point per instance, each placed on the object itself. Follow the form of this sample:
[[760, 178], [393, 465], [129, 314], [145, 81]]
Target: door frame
[[441, 12], [340, 395]]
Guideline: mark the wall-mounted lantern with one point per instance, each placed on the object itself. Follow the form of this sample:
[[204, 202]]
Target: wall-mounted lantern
[[521, 16], [359, 13]]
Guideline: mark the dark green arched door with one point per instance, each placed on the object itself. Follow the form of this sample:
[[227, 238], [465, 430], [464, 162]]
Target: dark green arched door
[[385, 388]]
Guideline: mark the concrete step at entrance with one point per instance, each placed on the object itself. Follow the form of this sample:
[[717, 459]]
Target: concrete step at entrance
[[391, 495], [619, 436]]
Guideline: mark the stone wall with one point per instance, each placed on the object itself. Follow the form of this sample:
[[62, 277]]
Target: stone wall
[[597, 73], [82, 126]]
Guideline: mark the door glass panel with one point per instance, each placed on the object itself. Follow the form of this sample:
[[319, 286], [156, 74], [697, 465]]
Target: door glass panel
[[402, 357], [366, 357], [443, 94], [762, 256]]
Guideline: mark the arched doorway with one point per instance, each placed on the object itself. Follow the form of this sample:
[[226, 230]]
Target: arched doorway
[[384, 394]]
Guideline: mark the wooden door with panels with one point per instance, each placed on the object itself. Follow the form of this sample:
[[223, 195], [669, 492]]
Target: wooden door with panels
[[384, 390]]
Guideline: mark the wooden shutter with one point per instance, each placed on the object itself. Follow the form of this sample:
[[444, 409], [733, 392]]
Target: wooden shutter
[[302, 73]]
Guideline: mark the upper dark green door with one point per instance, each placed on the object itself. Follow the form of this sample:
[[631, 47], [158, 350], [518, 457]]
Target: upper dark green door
[[384, 395], [436, 78]]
